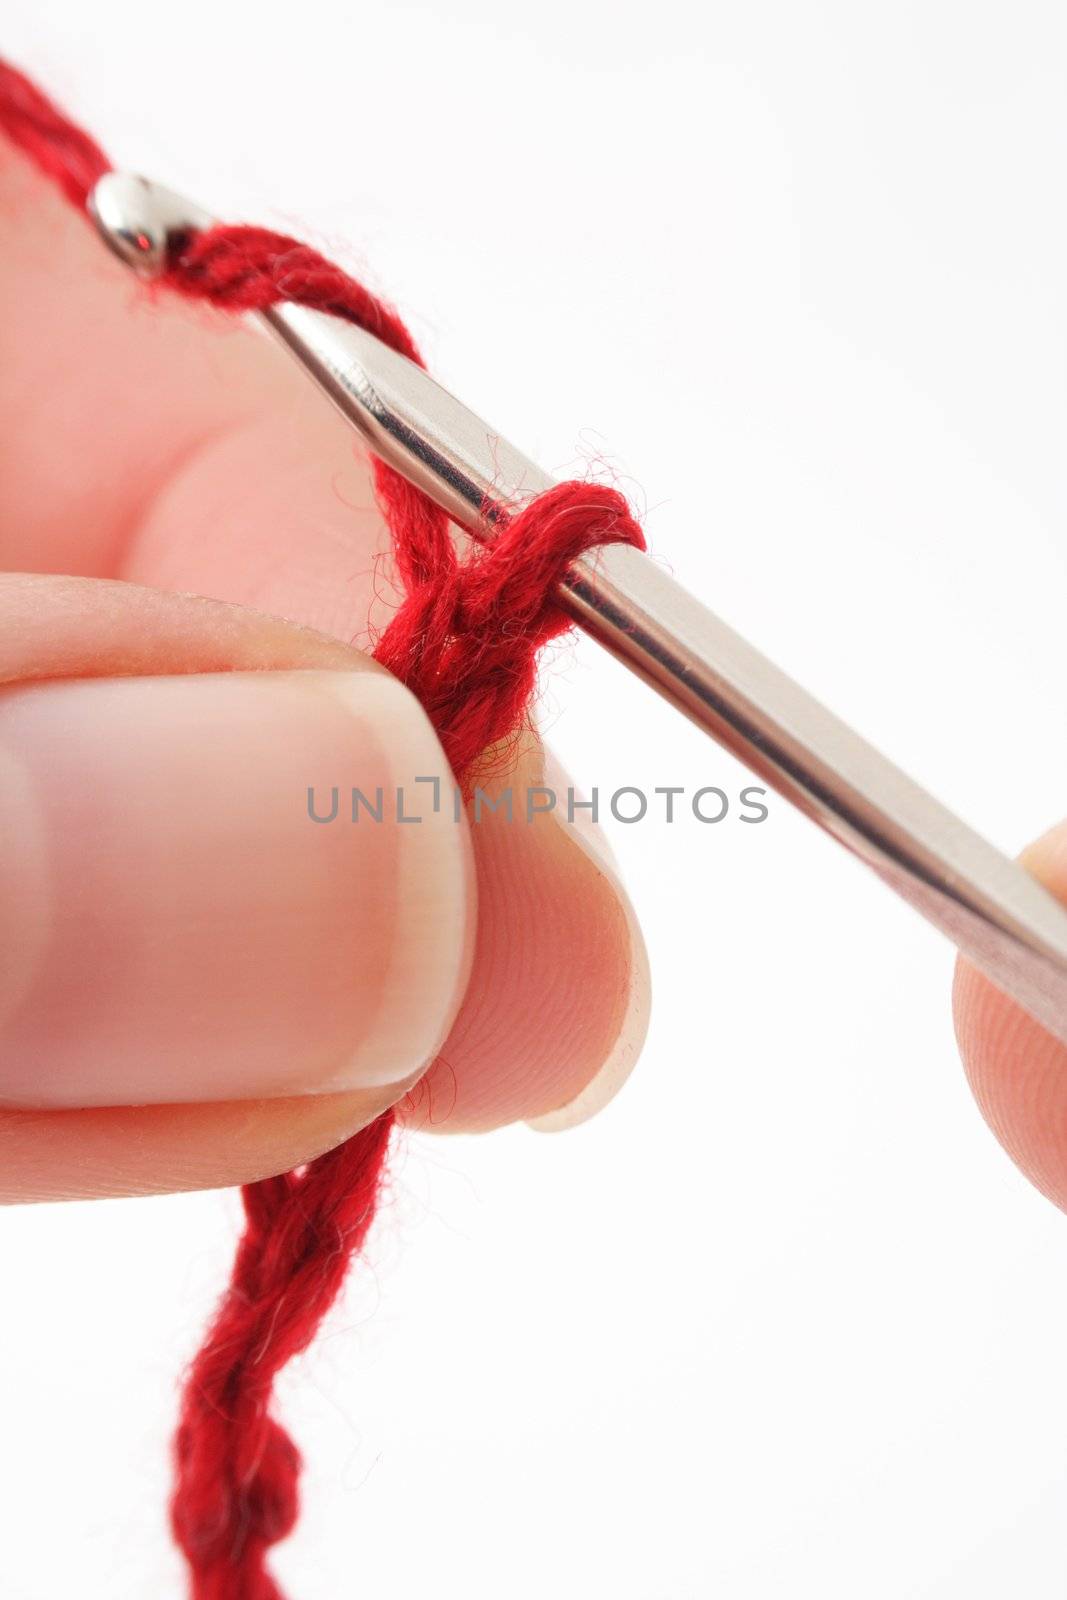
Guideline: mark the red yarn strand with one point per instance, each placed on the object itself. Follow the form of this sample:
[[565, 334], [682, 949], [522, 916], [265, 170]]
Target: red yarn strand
[[60, 150], [465, 640]]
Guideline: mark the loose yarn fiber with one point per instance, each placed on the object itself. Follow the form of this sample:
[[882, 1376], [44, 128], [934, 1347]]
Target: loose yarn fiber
[[465, 639]]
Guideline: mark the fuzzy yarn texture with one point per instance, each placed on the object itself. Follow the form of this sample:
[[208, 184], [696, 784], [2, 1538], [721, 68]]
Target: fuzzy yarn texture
[[465, 639]]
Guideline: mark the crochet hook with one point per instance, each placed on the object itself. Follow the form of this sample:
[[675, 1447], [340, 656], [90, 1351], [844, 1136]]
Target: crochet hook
[[992, 910]]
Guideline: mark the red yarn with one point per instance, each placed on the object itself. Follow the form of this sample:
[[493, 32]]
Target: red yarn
[[62, 151], [465, 640], [236, 1482]]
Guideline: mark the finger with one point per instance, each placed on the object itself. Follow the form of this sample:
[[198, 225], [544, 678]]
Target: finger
[[101, 396], [173, 927], [556, 1008], [109, 1151], [260, 498], [64, 627], [1018, 1071], [109, 393]]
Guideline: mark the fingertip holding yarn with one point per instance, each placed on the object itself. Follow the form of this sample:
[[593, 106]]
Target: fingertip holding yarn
[[465, 640]]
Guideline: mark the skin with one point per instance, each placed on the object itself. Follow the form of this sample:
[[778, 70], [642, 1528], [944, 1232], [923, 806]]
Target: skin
[[1017, 1071], [182, 456], [178, 456]]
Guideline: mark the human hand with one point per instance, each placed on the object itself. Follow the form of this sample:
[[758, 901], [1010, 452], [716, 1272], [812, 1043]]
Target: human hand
[[183, 993], [198, 984]]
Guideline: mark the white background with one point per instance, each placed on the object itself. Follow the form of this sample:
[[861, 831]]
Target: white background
[[784, 1321]]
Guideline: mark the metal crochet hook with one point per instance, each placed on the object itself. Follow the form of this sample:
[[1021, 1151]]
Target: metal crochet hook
[[990, 908]]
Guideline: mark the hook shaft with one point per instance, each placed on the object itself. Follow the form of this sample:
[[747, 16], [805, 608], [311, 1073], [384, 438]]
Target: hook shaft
[[988, 906]]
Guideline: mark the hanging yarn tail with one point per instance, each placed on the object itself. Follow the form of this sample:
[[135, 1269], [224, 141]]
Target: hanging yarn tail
[[236, 1468], [465, 640]]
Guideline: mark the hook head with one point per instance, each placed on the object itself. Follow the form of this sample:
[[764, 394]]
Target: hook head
[[143, 223]]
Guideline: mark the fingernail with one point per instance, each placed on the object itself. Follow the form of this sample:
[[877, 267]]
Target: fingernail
[[624, 1050], [174, 925]]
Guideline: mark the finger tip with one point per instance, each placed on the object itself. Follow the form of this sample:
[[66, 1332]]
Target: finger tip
[[556, 1008], [192, 909], [623, 1051], [108, 1152], [1017, 1071]]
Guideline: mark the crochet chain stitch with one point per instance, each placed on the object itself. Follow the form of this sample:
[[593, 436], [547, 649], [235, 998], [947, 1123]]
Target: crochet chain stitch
[[465, 639]]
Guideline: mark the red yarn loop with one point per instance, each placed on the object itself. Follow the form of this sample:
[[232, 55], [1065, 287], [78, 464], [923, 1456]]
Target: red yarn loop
[[465, 640]]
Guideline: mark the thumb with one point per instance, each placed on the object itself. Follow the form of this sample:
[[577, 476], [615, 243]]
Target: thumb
[[176, 932]]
